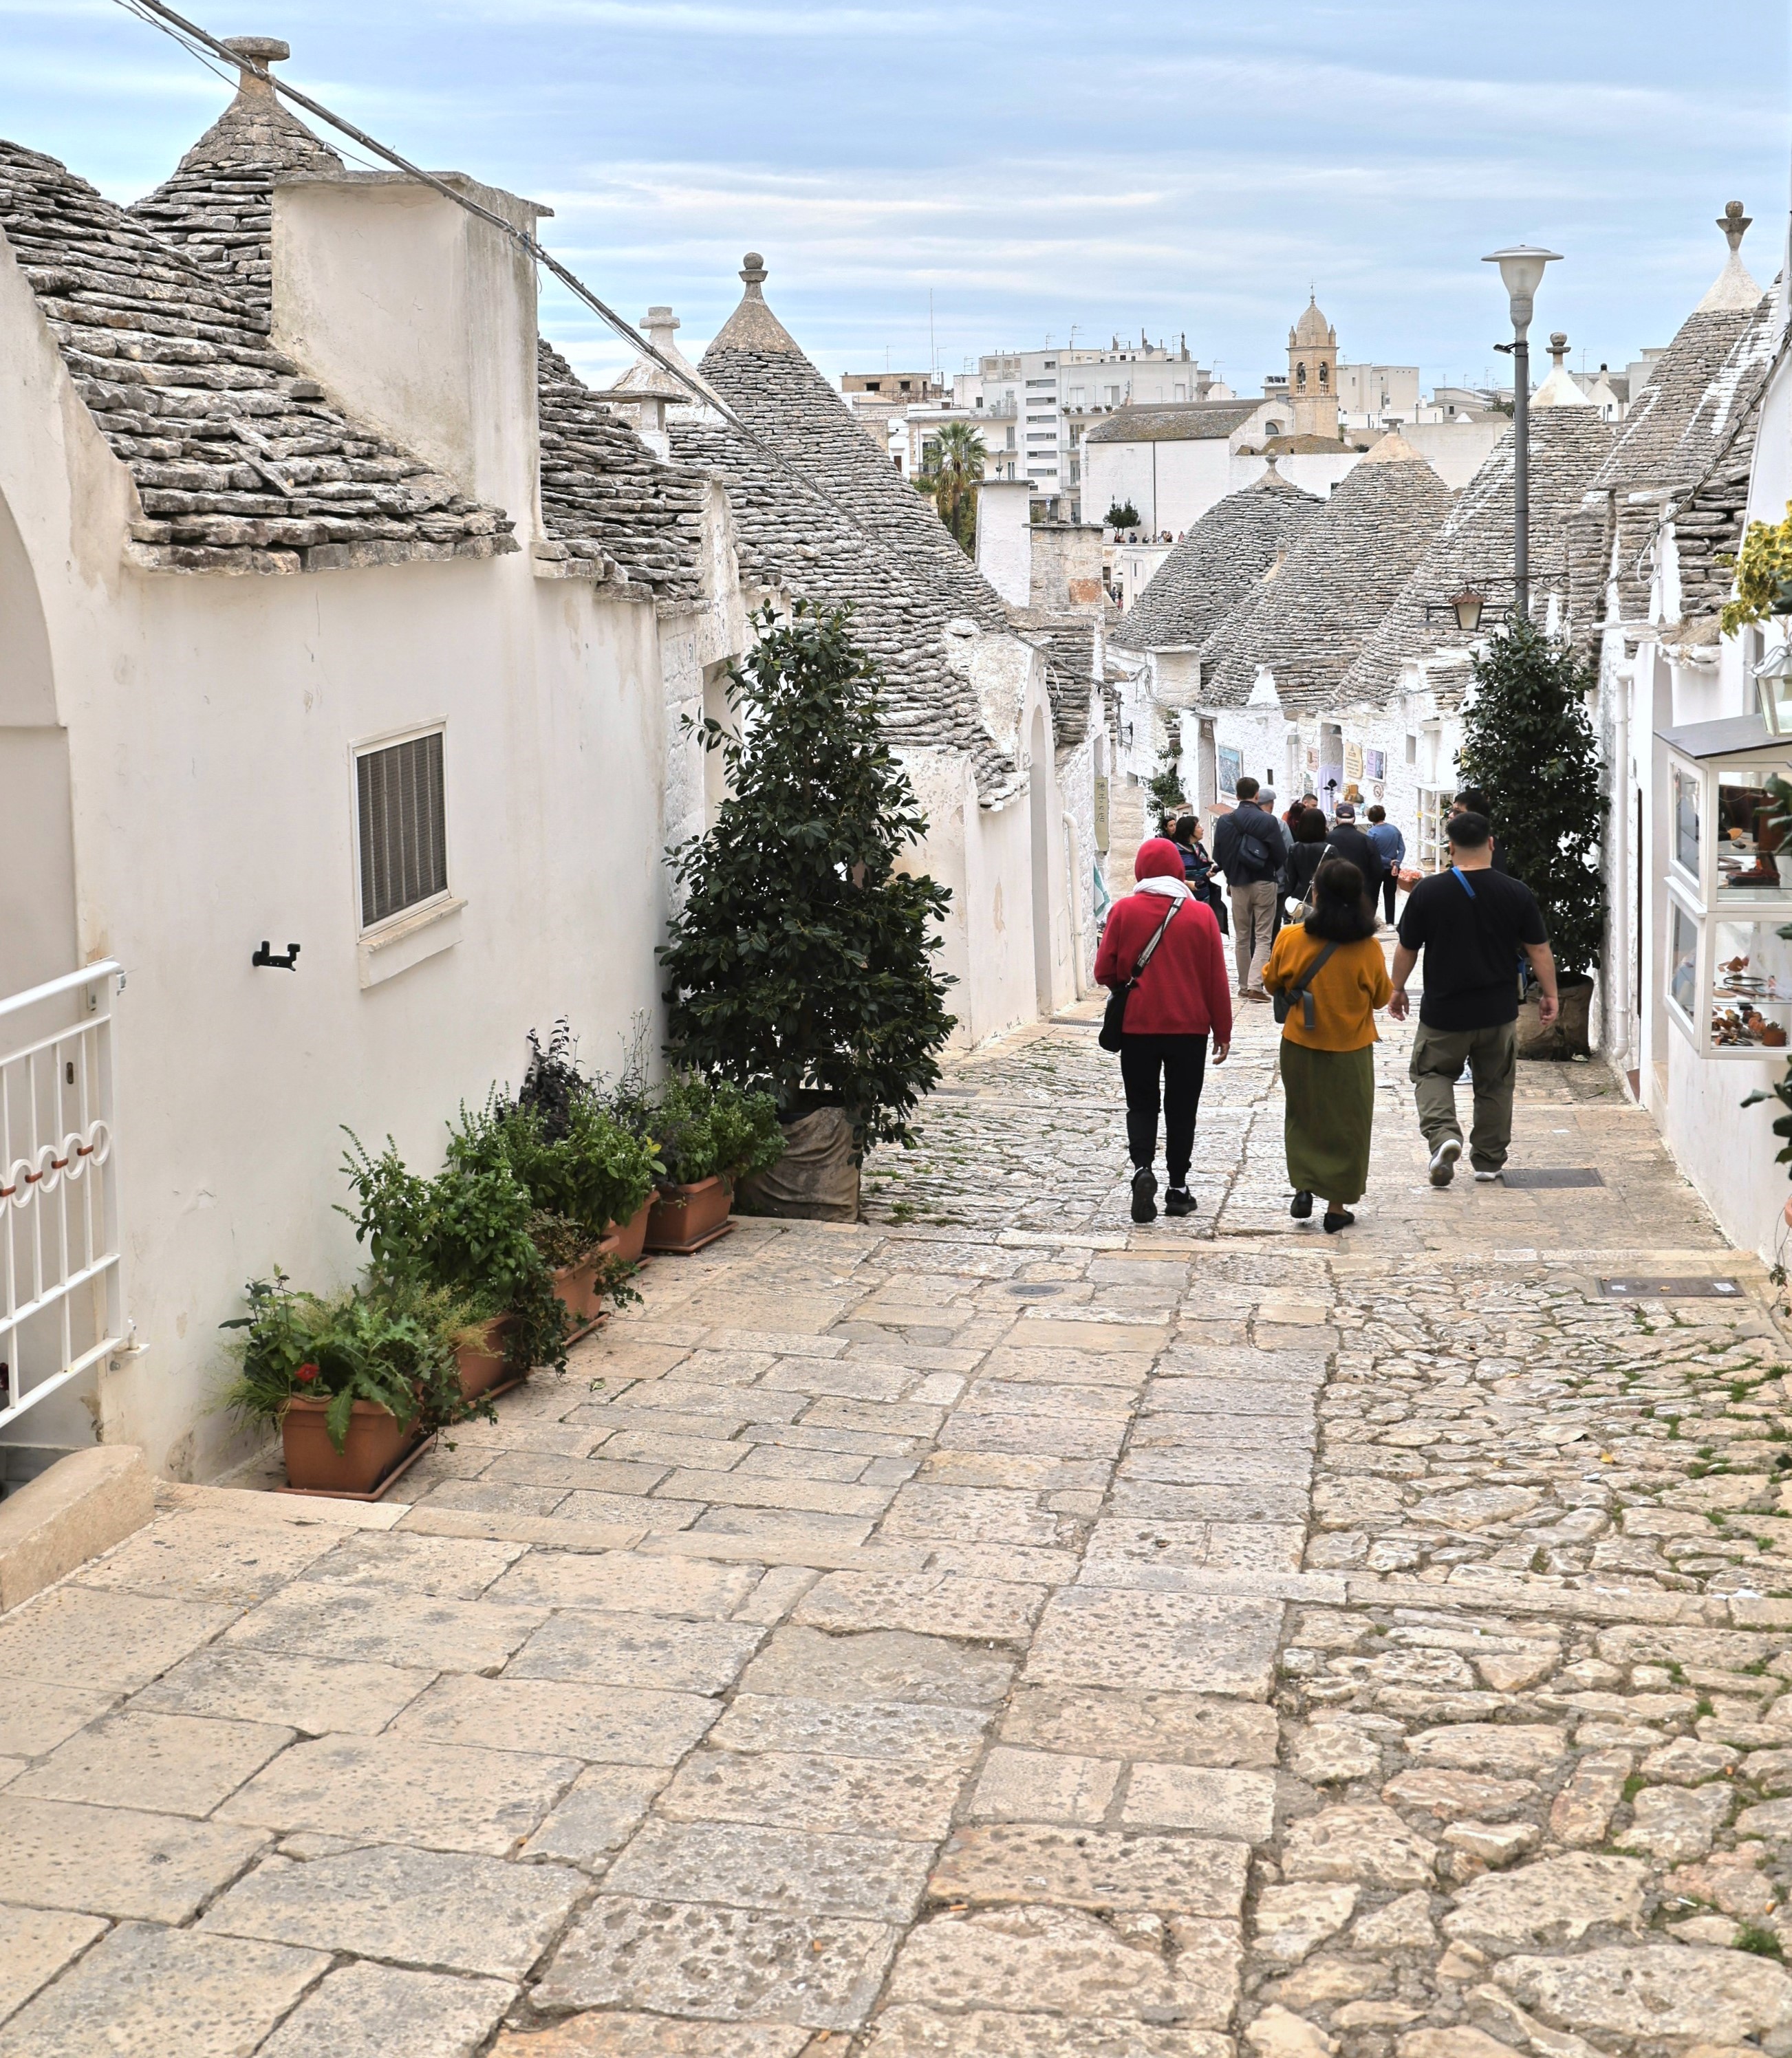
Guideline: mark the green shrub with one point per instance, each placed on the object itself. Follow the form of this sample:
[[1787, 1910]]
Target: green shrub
[[594, 1174], [801, 959], [394, 1349], [466, 1231], [711, 1127]]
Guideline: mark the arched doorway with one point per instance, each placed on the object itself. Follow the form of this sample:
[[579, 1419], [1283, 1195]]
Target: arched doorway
[[1039, 798], [37, 895]]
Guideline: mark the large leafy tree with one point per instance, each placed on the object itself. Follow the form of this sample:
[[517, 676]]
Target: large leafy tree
[[950, 476], [801, 960], [1528, 743]]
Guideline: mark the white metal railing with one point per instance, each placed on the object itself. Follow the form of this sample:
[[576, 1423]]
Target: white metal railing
[[61, 1303]]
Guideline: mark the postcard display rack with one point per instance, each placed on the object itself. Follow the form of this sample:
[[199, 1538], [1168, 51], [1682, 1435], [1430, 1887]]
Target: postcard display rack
[[1729, 983]]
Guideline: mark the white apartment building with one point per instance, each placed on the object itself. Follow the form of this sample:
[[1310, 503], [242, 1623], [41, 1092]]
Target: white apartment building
[[1038, 404], [1376, 396]]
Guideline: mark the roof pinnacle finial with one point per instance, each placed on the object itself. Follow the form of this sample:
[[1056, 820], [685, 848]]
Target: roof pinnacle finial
[[752, 275], [1735, 225], [1558, 347], [263, 50]]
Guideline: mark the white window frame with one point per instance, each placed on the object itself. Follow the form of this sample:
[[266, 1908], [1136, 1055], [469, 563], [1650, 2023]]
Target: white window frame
[[393, 944]]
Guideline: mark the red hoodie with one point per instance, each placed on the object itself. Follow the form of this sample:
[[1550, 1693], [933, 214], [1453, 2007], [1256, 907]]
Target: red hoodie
[[1186, 990]]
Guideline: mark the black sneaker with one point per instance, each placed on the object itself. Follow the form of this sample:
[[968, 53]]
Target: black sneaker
[[1300, 1207], [1144, 1194], [1179, 1200]]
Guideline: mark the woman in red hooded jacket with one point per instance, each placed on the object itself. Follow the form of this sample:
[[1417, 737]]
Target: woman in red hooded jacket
[[1183, 996]]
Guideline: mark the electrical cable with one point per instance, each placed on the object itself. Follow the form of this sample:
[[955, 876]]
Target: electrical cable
[[198, 43]]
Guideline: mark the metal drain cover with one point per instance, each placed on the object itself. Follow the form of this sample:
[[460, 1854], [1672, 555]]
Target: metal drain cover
[[1672, 1289], [1551, 1175]]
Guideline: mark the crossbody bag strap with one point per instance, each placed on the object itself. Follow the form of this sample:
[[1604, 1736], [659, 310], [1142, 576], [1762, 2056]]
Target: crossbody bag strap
[[1146, 955], [1303, 987]]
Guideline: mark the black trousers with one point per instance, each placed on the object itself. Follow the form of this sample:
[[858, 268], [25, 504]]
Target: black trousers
[[1390, 886], [1182, 1063]]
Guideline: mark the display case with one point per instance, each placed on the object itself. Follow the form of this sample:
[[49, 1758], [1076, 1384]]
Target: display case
[[1729, 973]]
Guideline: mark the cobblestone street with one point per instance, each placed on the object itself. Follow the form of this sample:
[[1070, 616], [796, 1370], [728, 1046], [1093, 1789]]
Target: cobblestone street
[[989, 1631]]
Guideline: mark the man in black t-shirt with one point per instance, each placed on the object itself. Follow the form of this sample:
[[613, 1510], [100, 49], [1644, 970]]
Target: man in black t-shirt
[[1472, 923], [1471, 801]]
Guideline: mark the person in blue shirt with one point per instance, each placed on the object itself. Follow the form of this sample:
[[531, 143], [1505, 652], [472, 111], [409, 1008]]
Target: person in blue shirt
[[1390, 847]]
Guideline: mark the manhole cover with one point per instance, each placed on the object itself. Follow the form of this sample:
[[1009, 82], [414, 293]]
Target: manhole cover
[[1672, 1289], [1033, 1292], [1551, 1175]]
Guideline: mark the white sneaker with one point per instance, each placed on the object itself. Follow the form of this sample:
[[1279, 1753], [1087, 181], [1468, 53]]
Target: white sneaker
[[1484, 1179], [1443, 1161]]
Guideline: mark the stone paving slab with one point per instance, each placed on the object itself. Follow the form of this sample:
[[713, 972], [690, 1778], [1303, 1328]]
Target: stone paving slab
[[988, 1629]]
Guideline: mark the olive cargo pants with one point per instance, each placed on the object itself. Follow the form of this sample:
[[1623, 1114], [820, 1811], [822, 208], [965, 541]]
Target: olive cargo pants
[[1491, 1055]]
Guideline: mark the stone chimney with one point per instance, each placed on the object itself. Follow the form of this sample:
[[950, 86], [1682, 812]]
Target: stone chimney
[[1004, 538]]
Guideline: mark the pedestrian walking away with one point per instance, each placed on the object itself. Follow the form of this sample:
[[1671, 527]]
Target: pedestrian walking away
[[1305, 855], [1250, 849], [1181, 998], [1471, 801], [1390, 847], [1471, 923], [1330, 973], [1348, 841]]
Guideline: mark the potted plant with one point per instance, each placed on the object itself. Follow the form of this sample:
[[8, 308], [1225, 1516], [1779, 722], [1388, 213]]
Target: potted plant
[[466, 1232], [1528, 743], [606, 1158], [356, 1380], [712, 1133], [800, 961]]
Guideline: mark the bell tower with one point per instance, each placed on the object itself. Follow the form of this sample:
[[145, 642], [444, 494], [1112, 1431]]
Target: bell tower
[[1313, 374]]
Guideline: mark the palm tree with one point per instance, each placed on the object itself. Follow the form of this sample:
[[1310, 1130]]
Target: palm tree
[[951, 468]]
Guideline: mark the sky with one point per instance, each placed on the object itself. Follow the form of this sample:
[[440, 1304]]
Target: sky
[[937, 181]]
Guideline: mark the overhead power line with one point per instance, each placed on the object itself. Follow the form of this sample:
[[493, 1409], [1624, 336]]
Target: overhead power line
[[199, 43]]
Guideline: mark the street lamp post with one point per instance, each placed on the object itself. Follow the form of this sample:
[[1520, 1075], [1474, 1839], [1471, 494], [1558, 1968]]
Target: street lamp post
[[1522, 269]]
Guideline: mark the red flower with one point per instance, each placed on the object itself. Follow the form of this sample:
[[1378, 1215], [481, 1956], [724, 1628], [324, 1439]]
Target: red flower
[[306, 1373]]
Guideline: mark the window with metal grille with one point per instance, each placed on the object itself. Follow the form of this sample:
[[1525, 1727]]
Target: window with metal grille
[[403, 838]]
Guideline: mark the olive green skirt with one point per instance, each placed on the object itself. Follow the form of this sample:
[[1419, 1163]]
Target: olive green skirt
[[1330, 1097]]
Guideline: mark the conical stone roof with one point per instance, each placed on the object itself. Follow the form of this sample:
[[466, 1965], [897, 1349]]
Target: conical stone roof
[[1474, 546], [836, 523], [218, 206], [1223, 558], [1346, 569]]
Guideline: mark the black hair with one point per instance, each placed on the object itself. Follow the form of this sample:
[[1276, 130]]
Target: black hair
[[1469, 830], [1378, 813], [1307, 826], [1247, 788], [1471, 801], [1186, 828], [1341, 913]]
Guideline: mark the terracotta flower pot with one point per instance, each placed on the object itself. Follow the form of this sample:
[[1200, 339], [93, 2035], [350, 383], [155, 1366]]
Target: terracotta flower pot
[[376, 1442], [575, 1286], [631, 1236], [684, 1218]]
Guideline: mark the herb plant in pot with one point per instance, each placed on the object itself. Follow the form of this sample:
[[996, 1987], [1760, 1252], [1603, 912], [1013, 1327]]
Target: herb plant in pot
[[801, 960], [355, 1380], [466, 1231], [712, 1133], [569, 1101]]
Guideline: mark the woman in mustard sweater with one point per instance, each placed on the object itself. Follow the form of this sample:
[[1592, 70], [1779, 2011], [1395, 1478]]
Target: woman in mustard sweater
[[1328, 1060]]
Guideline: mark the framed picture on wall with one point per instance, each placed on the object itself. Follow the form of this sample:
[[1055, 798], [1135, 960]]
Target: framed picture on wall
[[1230, 763], [1375, 764]]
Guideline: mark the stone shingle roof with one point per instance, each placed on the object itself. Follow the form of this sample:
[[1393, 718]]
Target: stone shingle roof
[[1716, 453], [1222, 559], [613, 507], [1474, 546], [860, 535], [219, 206], [1068, 641], [1346, 569], [1648, 452], [607, 498], [1183, 421], [239, 463]]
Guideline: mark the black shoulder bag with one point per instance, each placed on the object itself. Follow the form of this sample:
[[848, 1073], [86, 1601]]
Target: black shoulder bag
[[1113, 1021], [1303, 987]]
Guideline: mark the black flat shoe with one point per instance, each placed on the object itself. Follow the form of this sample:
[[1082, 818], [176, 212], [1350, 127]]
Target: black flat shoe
[[1179, 1200], [1144, 1194], [1301, 1205], [1334, 1223]]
